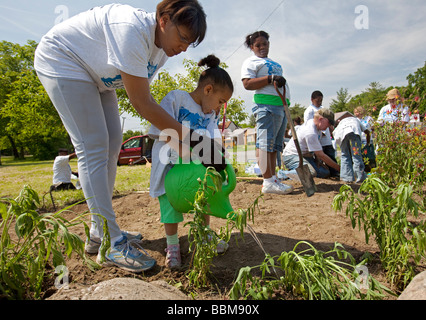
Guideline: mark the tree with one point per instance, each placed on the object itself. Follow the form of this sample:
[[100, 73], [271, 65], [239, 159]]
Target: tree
[[297, 111], [340, 104], [372, 99], [27, 117], [165, 83], [417, 89]]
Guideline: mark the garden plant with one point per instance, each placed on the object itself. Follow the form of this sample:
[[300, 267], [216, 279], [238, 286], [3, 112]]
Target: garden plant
[[308, 273], [383, 213], [33, 242]]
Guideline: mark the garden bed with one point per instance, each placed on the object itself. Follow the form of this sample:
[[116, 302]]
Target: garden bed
[[282, 222]]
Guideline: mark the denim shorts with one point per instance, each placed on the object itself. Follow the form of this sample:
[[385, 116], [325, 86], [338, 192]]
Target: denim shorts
[[270, 129]]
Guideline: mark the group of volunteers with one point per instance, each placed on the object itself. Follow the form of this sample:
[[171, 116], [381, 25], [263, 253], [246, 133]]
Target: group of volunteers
[[83, 60]]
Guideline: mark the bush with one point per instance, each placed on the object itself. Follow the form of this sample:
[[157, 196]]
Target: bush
[[383, 213], [401, 154]]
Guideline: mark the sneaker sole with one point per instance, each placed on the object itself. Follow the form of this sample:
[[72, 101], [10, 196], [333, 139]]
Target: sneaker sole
[[109, 263], [279, 192]]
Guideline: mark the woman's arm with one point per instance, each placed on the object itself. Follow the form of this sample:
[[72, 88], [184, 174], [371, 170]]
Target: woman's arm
[[137, 89]]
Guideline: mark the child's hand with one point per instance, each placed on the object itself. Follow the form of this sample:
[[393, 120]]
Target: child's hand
[[280, 81], [212, 153]]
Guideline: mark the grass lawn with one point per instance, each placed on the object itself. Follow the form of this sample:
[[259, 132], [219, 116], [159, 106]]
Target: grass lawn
[[14, 175]]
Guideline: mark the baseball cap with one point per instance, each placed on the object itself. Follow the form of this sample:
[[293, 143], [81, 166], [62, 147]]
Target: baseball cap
[[393, 94], [328, 114]]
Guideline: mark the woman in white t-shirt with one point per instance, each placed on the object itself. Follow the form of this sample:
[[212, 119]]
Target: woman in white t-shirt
[[259, 73], [81, 62]]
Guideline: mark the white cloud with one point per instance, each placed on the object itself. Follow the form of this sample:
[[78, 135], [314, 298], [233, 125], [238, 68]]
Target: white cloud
[[315, 41]]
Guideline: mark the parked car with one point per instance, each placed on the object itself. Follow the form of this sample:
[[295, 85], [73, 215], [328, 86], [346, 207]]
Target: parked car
[[136, 150]]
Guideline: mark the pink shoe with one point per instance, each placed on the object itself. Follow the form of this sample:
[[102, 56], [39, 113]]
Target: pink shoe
[[173, 259]]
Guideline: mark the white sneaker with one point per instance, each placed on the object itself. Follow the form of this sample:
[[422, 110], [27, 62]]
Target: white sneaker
[[277, 188], [92, 245], [125, 255]]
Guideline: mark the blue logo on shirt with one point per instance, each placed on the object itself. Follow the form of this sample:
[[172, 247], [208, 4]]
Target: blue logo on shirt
[[151, 70], [274, 68], [194, 119], [116, 82]]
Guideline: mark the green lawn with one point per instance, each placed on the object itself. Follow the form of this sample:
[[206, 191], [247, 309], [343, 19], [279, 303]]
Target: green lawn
[[14, 175]]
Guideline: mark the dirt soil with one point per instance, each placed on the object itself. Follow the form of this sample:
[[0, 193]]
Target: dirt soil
[[281, 223]]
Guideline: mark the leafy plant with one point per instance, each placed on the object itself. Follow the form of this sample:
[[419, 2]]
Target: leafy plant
[[401, 154], [37, 241], [203, 240], [310, 274], [383, 214]]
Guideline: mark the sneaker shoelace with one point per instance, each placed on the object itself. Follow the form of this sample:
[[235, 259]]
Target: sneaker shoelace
[[132, 246]]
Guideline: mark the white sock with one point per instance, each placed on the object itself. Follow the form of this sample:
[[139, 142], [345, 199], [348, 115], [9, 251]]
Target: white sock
[[174, 239], [268, 181]]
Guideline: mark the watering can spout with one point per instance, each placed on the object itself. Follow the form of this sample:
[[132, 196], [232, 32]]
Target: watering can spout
[[181, 184]]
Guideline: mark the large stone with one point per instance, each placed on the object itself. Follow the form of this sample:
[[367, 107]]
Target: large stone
[[416, 290], [122, 289]]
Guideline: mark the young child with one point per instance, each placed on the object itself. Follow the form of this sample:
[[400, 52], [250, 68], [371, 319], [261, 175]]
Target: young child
[[259, 73], [197, 110], [348, 137]]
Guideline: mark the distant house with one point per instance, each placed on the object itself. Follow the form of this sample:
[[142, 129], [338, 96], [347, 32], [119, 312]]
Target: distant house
[[229, 127]]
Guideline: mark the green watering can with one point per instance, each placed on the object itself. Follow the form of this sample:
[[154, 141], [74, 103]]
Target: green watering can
[[181, 184]]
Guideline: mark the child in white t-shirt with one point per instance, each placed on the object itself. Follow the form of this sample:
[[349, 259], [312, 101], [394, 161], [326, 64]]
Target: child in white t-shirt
[[348, 137], [80, 63], [366, 120], [199, 111], [259, 73]]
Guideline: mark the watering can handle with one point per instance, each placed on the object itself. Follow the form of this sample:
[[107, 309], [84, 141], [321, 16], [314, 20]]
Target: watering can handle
[[232, 180], [214, 147]]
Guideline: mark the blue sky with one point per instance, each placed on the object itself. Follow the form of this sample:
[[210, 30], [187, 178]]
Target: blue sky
[[322, 44]]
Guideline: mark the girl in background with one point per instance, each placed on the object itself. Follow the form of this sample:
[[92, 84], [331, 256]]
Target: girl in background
[[259, 73]]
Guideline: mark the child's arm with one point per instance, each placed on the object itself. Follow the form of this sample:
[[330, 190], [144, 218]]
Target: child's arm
[[368, 136]]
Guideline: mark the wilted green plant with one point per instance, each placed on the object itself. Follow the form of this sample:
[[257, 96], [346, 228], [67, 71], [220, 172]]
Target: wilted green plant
[[311, 274], [203, 240], [41, 240], [383, 214]]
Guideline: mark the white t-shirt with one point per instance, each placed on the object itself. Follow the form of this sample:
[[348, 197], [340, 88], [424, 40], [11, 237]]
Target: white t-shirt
[[309, 139], [389, 114], [367, 121], [61, 170], [255, 67], [309, 114], [180, 105], [97, 44], [346, 126]]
